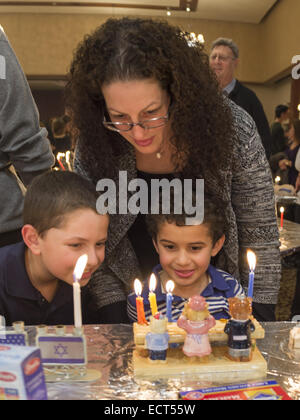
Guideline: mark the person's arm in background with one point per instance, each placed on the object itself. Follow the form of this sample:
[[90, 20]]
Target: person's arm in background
[[254, 205], [23, 143]]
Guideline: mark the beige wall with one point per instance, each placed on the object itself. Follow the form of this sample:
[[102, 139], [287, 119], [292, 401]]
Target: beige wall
[[44, 44], [280, 35]]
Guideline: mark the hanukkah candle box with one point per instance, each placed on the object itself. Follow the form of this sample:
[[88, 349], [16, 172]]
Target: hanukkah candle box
[[21, 374]]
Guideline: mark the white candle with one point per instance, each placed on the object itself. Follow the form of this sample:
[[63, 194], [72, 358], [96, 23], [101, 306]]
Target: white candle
[[68, 160], [2, 325], [58, 157], [77, 274]]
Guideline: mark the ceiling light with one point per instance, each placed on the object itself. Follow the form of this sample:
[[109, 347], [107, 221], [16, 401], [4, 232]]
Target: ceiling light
[[193, 39], [188, 9], [200, 38]]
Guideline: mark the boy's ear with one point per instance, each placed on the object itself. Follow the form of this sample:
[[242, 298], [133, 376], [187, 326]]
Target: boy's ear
[[31, 239], [218, 246]]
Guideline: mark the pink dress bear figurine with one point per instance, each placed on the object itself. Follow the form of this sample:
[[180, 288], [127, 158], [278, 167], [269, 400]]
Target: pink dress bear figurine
[[196, 321]]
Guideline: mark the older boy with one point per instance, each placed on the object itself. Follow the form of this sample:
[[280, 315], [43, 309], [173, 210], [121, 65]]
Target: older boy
[[185, 253], [60, 224]]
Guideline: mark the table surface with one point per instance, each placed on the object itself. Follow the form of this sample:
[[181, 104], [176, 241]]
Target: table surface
[[289, 237], [110, 352]]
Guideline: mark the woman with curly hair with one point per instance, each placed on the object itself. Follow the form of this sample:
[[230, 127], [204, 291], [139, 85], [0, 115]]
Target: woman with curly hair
[[143, 100]]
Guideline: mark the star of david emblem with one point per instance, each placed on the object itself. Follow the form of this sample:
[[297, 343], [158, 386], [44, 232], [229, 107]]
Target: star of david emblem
[[61, 350]]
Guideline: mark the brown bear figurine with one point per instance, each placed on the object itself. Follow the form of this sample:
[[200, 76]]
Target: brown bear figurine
[[239, 329]]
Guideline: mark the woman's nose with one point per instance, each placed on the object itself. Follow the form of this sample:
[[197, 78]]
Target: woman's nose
[[138, 132]]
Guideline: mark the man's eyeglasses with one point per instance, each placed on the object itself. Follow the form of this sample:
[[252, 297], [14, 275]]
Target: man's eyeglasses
[[145, 124], [222, 58]]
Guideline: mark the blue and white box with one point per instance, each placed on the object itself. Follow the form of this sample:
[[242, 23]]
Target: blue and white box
[[21, 374]]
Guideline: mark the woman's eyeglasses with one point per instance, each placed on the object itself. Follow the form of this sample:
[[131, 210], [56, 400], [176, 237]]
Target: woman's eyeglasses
[[145, 124]]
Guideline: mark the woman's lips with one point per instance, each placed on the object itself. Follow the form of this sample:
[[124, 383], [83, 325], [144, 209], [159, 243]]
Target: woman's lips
[[144, 143], [184, 273]]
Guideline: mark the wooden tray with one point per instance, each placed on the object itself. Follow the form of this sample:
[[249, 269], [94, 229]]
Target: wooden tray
[[218, 368]]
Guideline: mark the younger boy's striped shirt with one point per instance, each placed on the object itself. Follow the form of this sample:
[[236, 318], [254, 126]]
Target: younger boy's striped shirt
[[221, 287]]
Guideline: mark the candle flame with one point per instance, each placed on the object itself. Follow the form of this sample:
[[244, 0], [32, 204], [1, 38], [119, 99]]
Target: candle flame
[[80, 266], [152, 283], [68, 156], [251, 260], [281, 209], [137, 287], [170, 286]]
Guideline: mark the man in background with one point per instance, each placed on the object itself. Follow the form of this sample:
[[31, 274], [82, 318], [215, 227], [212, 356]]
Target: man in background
[[279, 140], [224, 58]]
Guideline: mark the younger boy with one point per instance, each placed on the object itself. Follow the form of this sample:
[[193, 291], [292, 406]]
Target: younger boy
[[60, 224], [185, 253]]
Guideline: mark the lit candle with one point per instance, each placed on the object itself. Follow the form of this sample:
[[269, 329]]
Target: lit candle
[[252, 264], [68, 160], [169, 288], [277, 180], [141, 319], [77, 274], [152, 296], [58, 157], [281, 217]]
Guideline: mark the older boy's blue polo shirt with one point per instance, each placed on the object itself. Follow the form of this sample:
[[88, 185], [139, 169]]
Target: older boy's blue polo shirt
[[221, 287], [21, 301]]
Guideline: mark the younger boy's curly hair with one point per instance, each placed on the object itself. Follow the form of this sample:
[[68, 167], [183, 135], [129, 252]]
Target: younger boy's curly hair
[[213, 218]]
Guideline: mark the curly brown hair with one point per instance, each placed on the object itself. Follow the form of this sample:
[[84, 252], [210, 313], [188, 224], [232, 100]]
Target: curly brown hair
[[214, 218], [130, 49]]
